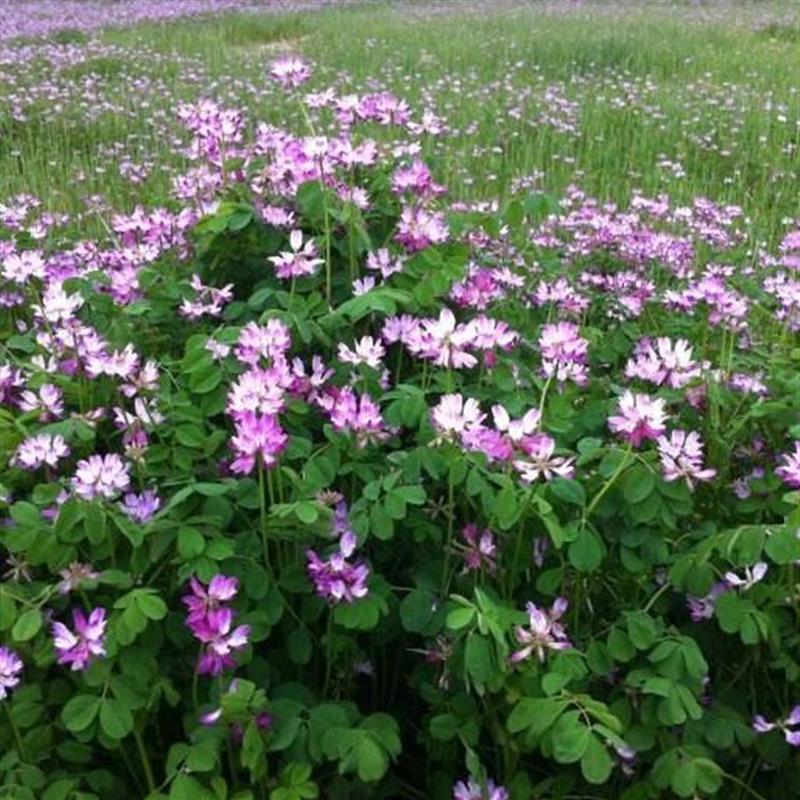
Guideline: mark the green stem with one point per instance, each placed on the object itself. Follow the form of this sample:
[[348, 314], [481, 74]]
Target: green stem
[[328, 654], [145, 759], [449, 543], [263, 515], [15, 731], [608, 484]]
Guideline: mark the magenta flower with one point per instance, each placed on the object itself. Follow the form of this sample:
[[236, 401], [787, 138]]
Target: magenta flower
[[78, 648], [640, 417], [101, 476], [336, 579], [682, 457], [220, 642], [259, 440], [474, 790], [10, 671], [789, 470], [543, 633], [204, 599], [359, 415]]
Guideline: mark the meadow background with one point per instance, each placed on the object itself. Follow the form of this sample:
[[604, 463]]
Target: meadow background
[[692, 99]]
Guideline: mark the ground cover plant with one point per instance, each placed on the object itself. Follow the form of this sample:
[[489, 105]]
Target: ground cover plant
[[396, 404]]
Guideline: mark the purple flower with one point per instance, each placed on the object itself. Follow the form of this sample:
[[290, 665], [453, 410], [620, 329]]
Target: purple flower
[[701, 608], [336, 579], [790, 726], [10, 670], [543, 633], [752, 575], [141, 507], [640, 417], [789, 470], [564, 353], [480, 550], [475, 790], [87, 641], [100, 476]]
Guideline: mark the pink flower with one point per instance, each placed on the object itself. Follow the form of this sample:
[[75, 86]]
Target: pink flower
[[454, 415], [663, 363], [789, 470], [540, 461], [682, 457], [564, 353], [141, 507], [477, 790], [43, 448], [419, 228], [74, 575], [100, 476], [86, 643], [640, 417], [300, 262], [543, 633], [752, 576], [258, 439], [359, 415], [290, 71]]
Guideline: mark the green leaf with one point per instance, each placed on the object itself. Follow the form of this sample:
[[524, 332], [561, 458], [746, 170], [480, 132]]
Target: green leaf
[[152, 606], [299, 646], [479, 659], [67, 526], [191, 543], [570, 739], [535, 714], [641, 629], [116, 719], [586, 552], [418, 610], [27, 626], [506, 506], [568, 490], [783, 545], [638, 484], [79, 712], [371, 760], [596, 763]]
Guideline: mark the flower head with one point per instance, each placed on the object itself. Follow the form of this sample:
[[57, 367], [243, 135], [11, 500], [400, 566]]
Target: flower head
[[290, 71], [475, 790], [79, 647], [639, 417], [10, 670], [789, 469], [543, 633], [682, 457], [100, 476]]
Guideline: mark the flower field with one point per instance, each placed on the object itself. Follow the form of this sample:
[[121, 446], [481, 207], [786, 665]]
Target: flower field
[[399, 400]]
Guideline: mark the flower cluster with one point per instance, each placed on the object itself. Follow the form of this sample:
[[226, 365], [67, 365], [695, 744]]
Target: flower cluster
[[544, 631], [87, 642], [211, 622]]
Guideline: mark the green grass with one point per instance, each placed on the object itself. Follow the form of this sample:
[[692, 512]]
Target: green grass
[[718, 97]]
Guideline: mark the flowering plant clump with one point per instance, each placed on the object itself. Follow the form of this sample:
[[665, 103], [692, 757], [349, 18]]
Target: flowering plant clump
[[316, 484]]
